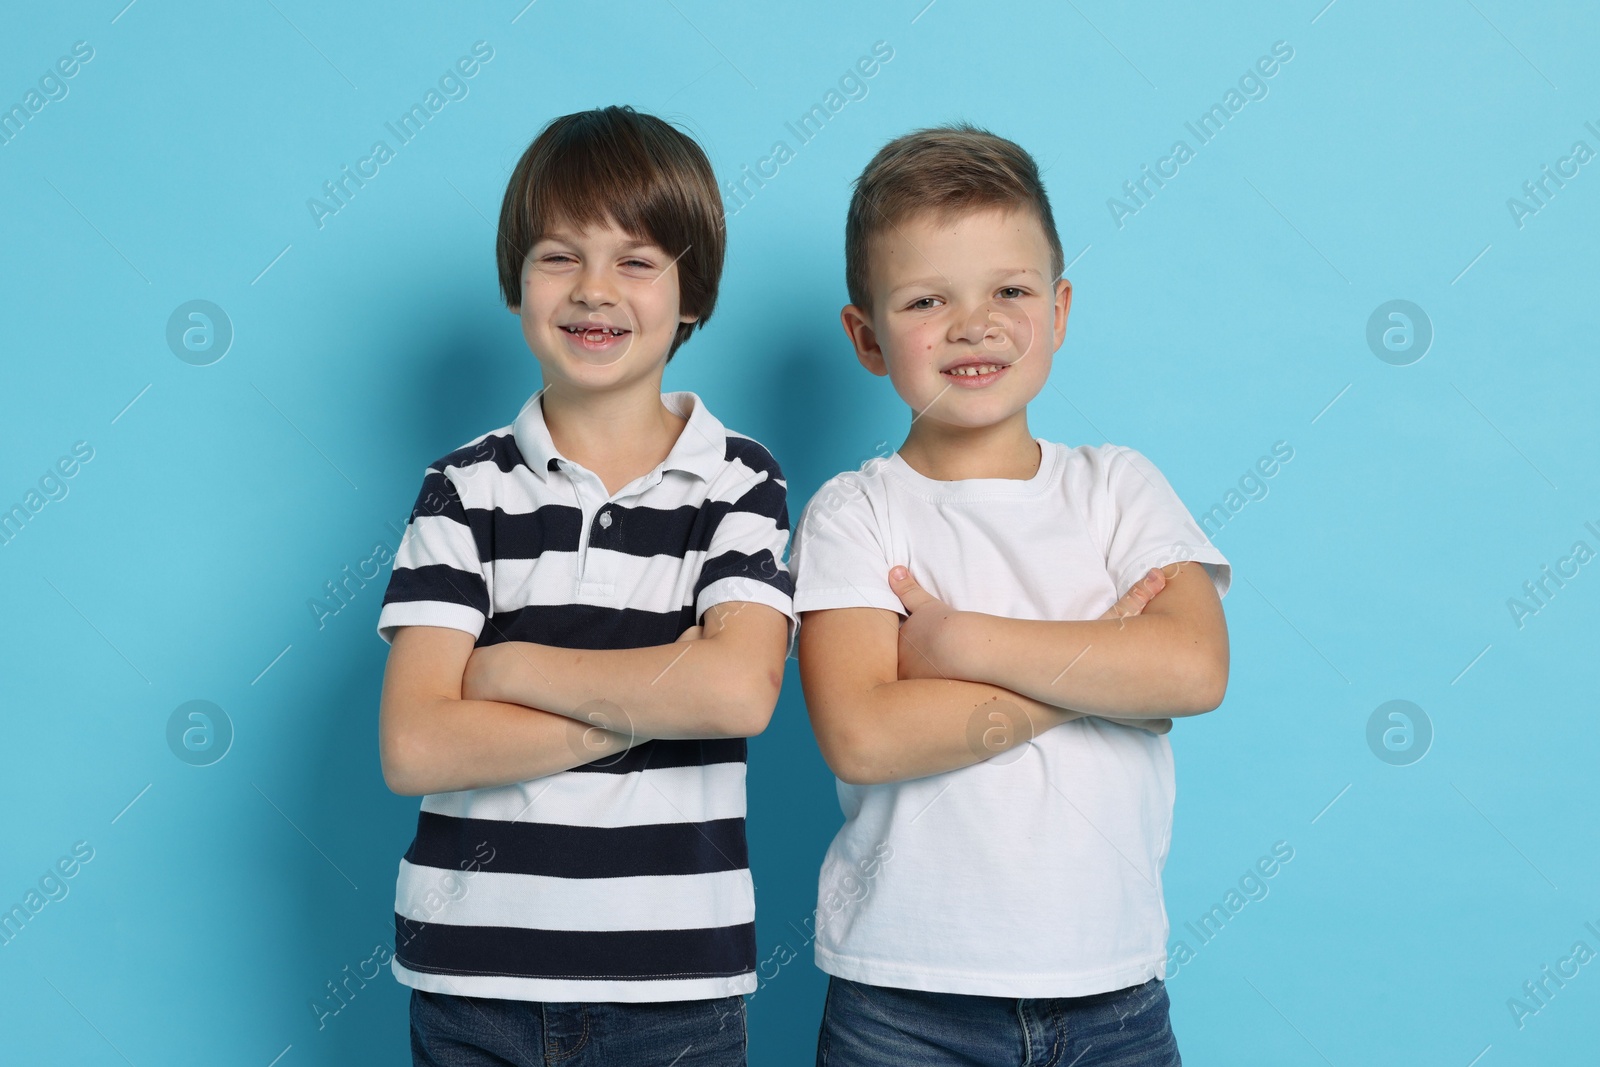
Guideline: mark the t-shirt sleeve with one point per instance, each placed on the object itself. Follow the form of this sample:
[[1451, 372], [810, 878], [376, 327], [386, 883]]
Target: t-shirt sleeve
[[744, 561], [839, 557], [1143, 524], [439, 578]]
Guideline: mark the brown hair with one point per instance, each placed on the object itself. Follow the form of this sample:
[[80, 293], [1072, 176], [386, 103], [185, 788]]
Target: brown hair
[[636, 170], [942, 170]]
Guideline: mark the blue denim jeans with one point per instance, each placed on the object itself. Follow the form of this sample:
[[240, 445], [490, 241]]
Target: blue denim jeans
[[452, 1031], [877, 1026]]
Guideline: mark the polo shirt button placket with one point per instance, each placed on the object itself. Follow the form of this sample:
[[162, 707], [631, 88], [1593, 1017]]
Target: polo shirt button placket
[[596, 578], [580, 489]]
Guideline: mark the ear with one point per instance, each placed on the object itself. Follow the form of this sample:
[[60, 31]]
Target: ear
[[858, 326], [688, 318], [1063, 303]]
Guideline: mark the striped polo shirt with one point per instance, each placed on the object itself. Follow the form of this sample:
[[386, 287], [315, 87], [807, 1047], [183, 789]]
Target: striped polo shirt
[[627, 878]]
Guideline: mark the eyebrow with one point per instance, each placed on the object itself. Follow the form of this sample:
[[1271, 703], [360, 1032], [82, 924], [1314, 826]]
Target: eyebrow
[[633, 244], [933, 280]]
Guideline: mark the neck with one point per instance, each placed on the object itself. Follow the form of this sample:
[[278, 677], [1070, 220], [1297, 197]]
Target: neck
[[951, 453], [622, 427]]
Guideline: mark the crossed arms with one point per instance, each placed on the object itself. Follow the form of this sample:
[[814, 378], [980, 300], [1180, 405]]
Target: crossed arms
[[946, 689], [887, 701], [453, 717]]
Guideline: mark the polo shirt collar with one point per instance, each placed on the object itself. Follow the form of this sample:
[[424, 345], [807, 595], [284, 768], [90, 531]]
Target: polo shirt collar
[[699, 450]]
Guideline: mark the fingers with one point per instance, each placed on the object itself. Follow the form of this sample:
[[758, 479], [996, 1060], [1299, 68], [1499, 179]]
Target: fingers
[[1133, 602], [1144, 591], [912, 595]]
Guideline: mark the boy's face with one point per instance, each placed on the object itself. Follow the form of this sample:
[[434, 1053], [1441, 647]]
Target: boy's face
[[964, 317], [599, 306]]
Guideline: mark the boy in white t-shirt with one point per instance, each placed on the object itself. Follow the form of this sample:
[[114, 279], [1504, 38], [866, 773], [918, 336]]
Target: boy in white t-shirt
[[996, 716]]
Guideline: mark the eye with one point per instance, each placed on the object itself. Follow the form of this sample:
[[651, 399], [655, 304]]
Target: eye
[[923, 303], [556, 257], [1012, 292], [640, 264]]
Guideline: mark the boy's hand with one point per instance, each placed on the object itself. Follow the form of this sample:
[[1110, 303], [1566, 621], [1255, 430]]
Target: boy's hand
[[1133, 602], [929, 621]]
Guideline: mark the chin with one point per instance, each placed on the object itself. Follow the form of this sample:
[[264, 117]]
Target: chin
[[972, 412], [981, 420], [587, 377], [629, 368]]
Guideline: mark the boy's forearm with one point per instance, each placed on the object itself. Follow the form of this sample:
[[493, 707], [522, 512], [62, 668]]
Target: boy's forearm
[[1149, 724], [691, 689], [480, 744], [1142, 667], [916, 727]]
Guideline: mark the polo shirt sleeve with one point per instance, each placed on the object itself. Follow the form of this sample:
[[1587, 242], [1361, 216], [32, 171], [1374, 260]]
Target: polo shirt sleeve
[[1143, 524], [840, 558], [439, 578], [744, 559]]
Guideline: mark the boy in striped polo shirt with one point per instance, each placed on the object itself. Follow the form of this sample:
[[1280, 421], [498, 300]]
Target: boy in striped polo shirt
[[588, 614]]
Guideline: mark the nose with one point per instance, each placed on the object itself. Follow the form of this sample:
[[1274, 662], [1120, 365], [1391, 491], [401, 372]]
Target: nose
[[593, 286], [977, 324]]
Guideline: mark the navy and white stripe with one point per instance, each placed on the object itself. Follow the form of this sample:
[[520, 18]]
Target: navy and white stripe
[[626, 879]]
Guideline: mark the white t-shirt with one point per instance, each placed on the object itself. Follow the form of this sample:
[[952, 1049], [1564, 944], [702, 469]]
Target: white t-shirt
[[1037, 872]]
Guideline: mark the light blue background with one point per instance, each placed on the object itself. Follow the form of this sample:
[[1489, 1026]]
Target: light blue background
[[1224, 316]]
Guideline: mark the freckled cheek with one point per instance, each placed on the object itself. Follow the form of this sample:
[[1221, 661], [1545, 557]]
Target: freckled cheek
[[1028, 335], [920, 344]]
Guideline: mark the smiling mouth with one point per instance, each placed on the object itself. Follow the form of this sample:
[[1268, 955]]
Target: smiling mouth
[[595, 338], [975, 370]]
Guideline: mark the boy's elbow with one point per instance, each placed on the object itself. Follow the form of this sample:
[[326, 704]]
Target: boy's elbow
[[752, 720], [845, 765], [747, 707], [746, 720], [862, 768], [397, 754], [856, 772], [402, 787], [404, 772], [397, 773], [1208, 683], [849, 758]]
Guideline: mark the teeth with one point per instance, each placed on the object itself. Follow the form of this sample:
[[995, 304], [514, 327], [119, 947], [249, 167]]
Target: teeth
[[975, 369]]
